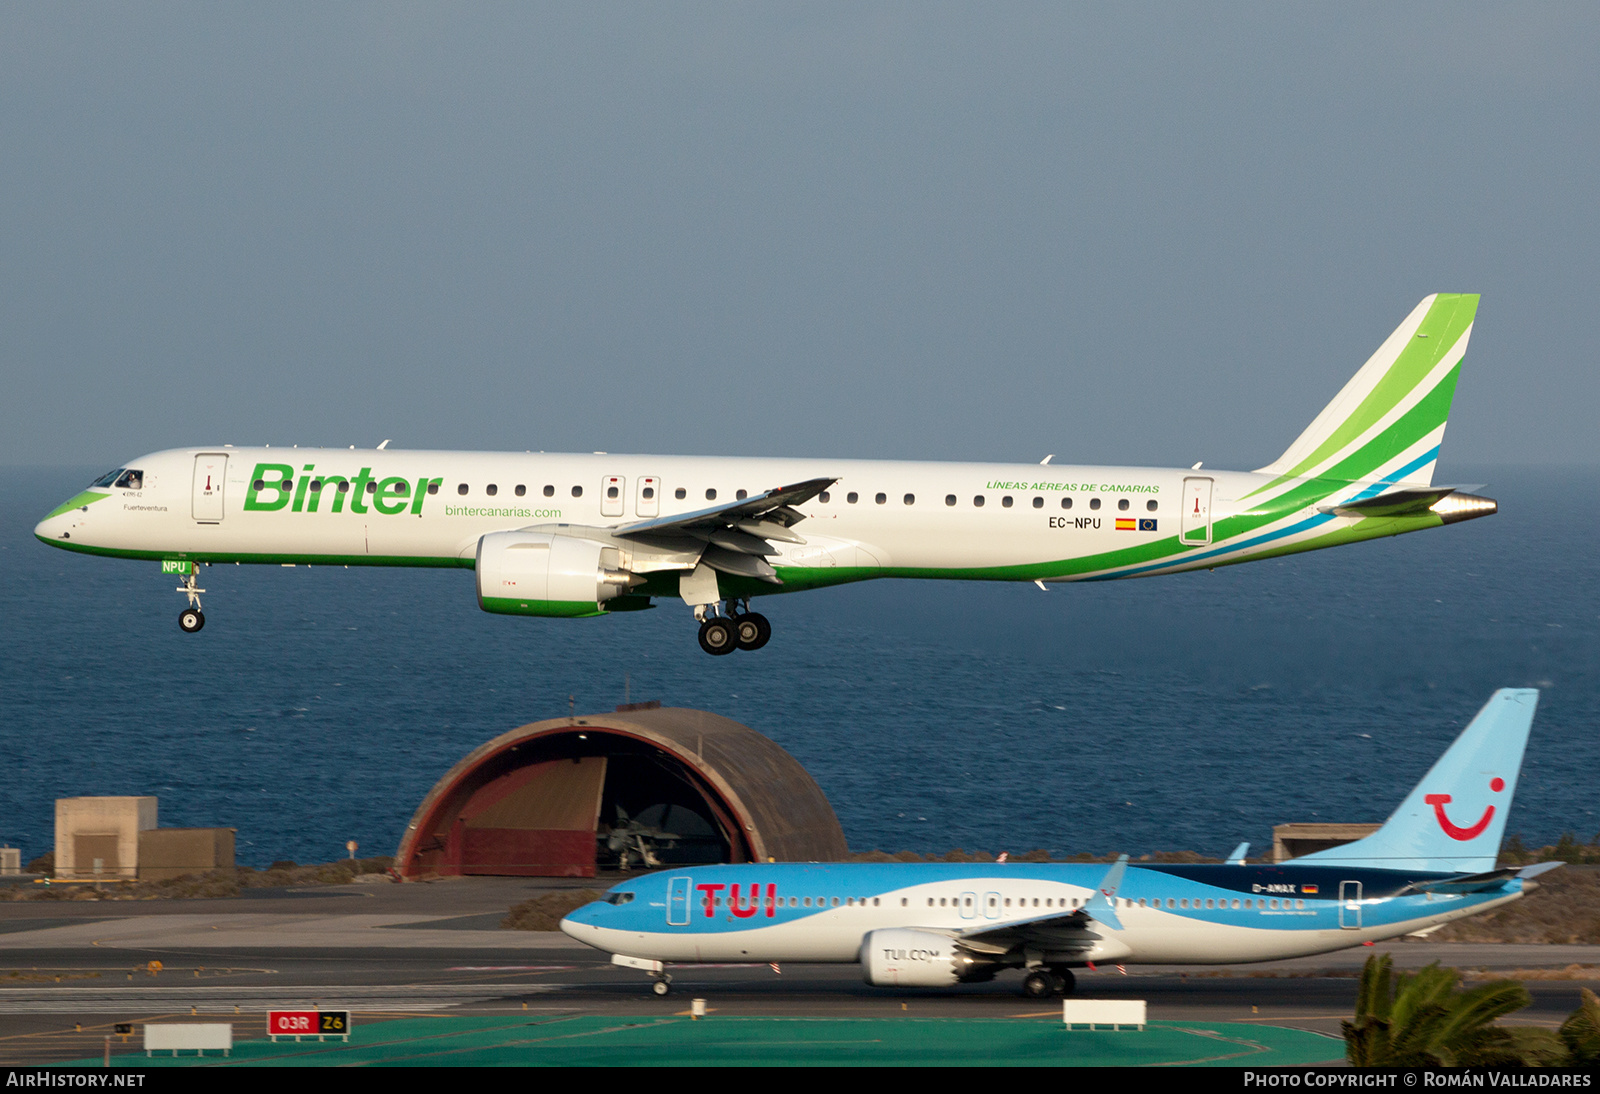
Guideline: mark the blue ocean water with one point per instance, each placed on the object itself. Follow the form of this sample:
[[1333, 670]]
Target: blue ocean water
[[319, 705]]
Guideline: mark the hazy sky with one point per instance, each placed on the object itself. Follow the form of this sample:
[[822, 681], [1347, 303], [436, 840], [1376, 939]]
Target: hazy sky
[[1120, 233]]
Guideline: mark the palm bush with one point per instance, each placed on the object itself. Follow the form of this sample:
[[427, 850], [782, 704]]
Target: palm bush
[[1425, 1019]]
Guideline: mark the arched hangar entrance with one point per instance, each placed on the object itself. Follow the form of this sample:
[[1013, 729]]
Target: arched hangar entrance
[[643, 786]]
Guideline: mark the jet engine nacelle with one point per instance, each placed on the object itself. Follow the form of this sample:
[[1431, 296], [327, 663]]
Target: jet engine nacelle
[[908, 958], [545, 573]]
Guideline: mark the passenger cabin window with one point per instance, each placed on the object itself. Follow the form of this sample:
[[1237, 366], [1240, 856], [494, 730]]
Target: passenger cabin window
[[344, 487], [1006, 501], [1122, 504], [911, 499], [680, 493], [433, 487], [649, 492], [881, 498], [491, 489], [1094, 503], [462, 489], [711, 495], [1066, 503], [1038, 503], [823, 497], [1151, 505], [549, 491], [611, 492], [740, 495], [852, 497], [521, 490], [978, 501], [949, 499], [577, 491]]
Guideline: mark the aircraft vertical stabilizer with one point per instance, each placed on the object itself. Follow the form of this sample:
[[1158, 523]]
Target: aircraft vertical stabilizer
[[1454, 819], [1388, 421]]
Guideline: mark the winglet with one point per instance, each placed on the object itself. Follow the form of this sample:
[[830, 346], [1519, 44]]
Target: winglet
[[1102, 906]]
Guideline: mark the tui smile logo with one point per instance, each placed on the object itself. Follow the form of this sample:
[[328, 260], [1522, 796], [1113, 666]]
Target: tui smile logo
[[1454, 831]]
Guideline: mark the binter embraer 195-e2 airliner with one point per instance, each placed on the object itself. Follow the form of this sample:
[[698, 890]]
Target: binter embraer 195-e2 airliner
[[585, 535]]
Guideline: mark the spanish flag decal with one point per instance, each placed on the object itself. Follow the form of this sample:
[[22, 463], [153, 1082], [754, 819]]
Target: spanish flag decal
[[1127, 524]]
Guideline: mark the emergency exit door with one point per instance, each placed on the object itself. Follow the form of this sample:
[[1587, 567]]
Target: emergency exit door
[[1194, 524]]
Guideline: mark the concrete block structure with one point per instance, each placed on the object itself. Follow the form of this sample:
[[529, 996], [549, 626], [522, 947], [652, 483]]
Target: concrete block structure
[[1293, 840], [99, 837], [172, 852]]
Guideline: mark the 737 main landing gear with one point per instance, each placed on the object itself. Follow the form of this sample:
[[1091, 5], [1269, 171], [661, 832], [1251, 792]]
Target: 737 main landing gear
[[191, 619], [746, 630], [1041, 983]]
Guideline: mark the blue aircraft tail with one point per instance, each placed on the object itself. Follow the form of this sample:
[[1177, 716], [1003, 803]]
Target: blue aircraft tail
[[1453, 821]]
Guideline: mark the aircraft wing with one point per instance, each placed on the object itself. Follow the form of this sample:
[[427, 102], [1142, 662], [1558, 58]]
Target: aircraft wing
[[1057, 931], [734, 537]]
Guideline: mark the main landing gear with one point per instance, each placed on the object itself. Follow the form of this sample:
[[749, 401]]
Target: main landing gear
[[1041, 982], [743, 630], [191, 619], [661, 985]]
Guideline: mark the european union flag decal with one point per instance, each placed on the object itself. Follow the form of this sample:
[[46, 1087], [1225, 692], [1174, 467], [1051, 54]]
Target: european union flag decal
[[1147, 524]]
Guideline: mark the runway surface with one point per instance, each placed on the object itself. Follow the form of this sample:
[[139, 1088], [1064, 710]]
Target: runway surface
[[70, 970]]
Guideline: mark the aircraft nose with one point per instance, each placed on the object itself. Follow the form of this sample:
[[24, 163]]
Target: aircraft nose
[[51, 528]]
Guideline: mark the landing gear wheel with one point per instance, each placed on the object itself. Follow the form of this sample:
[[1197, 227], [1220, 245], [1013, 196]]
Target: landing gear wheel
[[191, 620], [752, 630], [661, 987], [1065, 981], [1039, 984], [717, 637]]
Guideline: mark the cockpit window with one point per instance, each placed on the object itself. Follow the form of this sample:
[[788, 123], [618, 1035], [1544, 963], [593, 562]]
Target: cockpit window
[[131, 480], [618, 898], [108, 478]]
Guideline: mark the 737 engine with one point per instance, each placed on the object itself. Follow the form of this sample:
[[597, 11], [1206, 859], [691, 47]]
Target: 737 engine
[[909, 958], [545, 573]]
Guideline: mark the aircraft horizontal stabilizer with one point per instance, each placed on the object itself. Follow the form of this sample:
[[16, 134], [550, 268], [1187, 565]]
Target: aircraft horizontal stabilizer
[[1395, 503]]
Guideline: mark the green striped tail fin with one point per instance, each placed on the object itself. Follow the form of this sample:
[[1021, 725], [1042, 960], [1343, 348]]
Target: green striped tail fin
[[1388, 421]]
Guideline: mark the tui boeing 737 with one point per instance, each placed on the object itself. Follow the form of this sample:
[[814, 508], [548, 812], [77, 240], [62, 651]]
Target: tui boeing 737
[[936, 924], [585, 535]]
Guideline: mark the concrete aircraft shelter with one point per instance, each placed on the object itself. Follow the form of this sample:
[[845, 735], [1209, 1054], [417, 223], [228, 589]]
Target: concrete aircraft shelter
[[540, 801]]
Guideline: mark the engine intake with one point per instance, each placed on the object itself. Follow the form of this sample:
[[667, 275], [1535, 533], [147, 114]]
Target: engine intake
[[908, 958], [545, 573]]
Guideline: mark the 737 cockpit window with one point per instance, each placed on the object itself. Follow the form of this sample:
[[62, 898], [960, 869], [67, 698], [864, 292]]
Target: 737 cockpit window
[[108, 478], [618, 898]]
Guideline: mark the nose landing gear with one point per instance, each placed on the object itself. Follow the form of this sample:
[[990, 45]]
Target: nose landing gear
[[191, 619]]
